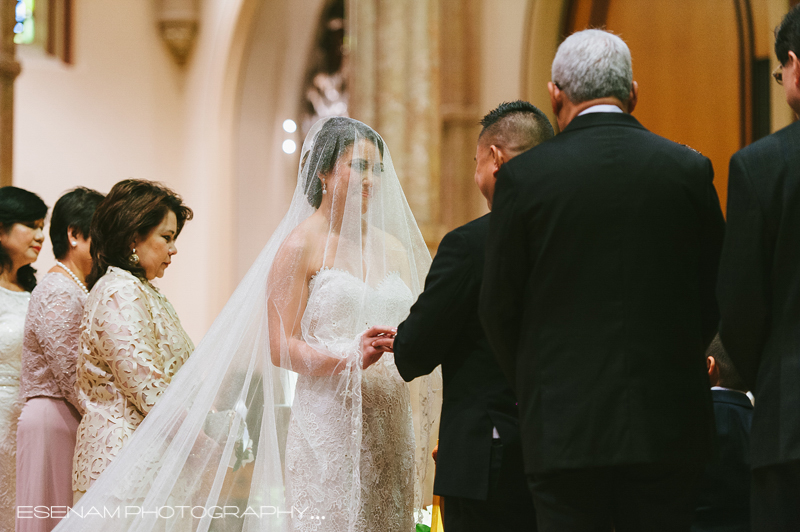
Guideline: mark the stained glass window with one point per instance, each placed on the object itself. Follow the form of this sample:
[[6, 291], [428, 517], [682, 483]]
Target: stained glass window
[[24, 27]]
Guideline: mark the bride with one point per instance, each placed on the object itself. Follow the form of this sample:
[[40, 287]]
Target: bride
[[289, 415]]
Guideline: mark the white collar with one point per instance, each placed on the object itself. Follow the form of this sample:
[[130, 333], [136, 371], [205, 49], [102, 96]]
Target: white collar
[[601, 108]]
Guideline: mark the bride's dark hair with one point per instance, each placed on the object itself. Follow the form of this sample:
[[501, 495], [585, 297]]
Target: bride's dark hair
[[335, 136], [17, 205]]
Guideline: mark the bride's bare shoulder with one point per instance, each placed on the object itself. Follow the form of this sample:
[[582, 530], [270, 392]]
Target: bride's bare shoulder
[[301, 246]]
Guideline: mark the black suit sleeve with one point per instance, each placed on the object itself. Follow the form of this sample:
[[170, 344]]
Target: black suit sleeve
[[504, 276], [425, 338], [713, 235], [743, 289]]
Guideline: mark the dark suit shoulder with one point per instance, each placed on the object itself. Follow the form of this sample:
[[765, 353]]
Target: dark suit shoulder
[[468, 240], [580, 144], [477, 229], [770, 157], [732, 397], [771, 143]]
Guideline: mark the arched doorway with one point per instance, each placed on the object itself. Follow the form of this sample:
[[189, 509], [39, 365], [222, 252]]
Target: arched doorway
[[270, 86]]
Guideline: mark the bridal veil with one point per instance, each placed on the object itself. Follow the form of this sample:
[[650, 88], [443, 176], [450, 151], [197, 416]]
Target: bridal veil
[[273, 424]]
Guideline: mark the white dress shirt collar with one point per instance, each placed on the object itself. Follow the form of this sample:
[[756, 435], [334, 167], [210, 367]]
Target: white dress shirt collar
[[601, 108]]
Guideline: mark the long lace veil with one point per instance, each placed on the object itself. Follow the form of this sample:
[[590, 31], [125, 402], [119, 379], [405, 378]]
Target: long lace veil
[[273, 424]]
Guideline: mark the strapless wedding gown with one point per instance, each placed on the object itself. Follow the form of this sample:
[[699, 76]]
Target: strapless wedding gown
[[351, 433]]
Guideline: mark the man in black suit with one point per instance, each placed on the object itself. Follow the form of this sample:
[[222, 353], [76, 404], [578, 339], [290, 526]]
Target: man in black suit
[[598, 300], [759, 296], [479, 464], [723, 504]]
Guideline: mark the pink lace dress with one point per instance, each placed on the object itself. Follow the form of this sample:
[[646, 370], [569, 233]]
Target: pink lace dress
[[49, 420]]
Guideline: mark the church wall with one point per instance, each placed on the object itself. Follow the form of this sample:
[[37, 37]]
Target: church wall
[[124, 109], [270, 91]]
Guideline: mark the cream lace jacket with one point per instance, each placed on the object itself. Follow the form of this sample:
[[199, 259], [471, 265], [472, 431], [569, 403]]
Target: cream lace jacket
[[131, 345]]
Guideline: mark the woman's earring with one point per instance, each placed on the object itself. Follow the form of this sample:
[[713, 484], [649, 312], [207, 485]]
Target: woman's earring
[[324, 188], [74, 243], [134, 258]]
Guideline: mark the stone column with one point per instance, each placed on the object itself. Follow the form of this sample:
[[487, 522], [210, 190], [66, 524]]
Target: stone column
[[460, 113], [9, 70], [394, 54]]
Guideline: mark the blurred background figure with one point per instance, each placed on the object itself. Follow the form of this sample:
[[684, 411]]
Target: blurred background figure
[[723, 503], [49, 420], [21, 222], [132, 342]]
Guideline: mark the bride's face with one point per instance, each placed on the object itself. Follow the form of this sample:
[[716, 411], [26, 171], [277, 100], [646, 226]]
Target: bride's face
[[354, 174]]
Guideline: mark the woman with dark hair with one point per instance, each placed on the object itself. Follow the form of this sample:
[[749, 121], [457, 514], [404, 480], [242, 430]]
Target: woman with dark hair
[[21, 221], [49, 420], [131, 342]]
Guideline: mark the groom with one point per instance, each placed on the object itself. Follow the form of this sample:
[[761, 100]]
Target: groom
[[479, 468]]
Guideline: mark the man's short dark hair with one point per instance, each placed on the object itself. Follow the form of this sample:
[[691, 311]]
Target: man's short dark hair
[[728, 375], [516, 126], [787, 35]]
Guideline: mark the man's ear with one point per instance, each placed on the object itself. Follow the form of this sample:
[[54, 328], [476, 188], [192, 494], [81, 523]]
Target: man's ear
[[796, 62], [633, 98], [498, 158], [556, 97], [713, 370]]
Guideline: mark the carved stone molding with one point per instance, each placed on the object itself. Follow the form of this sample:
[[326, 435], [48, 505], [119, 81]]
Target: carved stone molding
[[9, 67], [178, 22]]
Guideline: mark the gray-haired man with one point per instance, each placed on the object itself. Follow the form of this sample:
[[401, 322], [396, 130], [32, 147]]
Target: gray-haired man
[[598, 300]]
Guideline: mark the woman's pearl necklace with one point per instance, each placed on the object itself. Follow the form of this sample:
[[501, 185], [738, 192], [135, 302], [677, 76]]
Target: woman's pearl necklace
[[74, 277]]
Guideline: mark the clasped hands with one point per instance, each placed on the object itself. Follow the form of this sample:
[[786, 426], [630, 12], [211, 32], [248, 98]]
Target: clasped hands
[[375, 342]]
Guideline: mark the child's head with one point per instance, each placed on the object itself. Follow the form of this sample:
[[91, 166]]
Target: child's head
[[721, 371]]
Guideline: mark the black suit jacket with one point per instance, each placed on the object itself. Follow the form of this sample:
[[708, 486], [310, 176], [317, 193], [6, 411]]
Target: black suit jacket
[[724, 499], [759, 288], [598, 295], [443, 328]]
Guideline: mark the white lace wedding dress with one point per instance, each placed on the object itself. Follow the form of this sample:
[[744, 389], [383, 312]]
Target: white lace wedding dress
[[319, 473]]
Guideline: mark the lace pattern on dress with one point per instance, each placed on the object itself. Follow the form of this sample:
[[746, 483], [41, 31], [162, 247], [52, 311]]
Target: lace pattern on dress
[[13, 306], [50, 346], [355, 438], [131, 345]]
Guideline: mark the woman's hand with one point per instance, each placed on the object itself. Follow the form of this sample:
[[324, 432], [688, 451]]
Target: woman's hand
[[374, 343]]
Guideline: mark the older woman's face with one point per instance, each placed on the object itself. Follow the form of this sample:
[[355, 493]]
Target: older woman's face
[[155, 251], [23, 242]]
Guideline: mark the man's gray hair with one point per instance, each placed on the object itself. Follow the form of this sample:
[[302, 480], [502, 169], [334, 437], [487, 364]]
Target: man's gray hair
[[593, 64]]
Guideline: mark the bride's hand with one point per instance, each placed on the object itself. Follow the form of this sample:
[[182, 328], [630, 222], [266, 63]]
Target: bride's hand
[[374, 343]]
